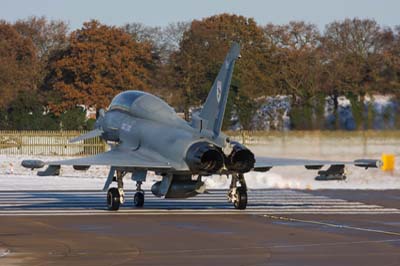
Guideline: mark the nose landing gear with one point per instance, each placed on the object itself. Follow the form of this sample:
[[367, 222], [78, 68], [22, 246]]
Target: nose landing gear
[[138, 199], [238, 195], [116, 196]]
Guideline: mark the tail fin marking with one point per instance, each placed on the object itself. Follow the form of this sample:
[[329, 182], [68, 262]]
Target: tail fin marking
[[213, 110]]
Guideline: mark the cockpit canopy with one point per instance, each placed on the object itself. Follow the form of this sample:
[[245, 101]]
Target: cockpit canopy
[[143, 105], [124, 100]]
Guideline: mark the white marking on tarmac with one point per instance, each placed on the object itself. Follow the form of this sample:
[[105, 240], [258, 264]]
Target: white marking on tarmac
[[269, 202], [338, 243], [4, 252], [340, 226]]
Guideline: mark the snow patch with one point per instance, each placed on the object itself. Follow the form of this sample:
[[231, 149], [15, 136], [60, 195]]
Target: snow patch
[[274, 113], [279, 178]]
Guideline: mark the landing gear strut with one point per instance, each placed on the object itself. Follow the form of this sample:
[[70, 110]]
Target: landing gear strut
[[115, 196], [138, 199], [238, 195]]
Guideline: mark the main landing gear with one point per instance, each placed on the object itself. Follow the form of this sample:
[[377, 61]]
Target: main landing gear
[[116, 196], [113, 199], [238, 194]]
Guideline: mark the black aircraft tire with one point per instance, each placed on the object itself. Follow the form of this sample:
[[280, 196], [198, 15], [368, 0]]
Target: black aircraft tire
[[241, 204], [113, 199], [138, 199]]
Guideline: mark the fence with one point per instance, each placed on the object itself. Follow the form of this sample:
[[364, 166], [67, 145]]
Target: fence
[[320, 143], [48, 143], [264, 137], [316, 142]]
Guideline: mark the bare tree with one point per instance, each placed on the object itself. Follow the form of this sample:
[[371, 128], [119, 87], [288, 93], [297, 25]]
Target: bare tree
[[163, 40], [46, 35]]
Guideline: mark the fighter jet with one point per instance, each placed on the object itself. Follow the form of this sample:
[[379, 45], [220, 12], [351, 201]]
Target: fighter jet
[[146, 135]]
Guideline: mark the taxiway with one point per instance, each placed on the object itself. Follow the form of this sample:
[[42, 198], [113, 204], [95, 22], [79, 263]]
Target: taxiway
[[280, 227]]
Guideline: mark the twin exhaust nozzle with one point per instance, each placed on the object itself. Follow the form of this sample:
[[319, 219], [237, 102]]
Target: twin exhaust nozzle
[[204, 157]]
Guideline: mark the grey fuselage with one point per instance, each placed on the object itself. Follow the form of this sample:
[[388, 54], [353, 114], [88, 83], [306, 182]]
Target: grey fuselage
[[151, 126]]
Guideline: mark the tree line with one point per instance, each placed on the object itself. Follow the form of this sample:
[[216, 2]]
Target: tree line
[[49, 74]]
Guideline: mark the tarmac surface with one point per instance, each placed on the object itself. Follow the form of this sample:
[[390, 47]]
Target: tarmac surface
[[279, 227]]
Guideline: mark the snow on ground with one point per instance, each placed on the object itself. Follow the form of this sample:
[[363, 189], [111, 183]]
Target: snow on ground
[[14, 177], [299, 178]]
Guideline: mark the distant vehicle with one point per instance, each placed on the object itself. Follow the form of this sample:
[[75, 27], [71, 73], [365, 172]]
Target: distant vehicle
[[146, 134]]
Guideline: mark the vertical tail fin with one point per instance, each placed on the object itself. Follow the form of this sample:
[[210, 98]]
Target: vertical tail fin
[[213, 110]]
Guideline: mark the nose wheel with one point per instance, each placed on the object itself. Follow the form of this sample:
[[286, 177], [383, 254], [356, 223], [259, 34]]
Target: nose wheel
[[238, 194], [138, 199]]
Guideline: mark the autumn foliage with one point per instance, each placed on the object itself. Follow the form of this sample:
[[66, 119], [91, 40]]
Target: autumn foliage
[[203, 48], [18, 64], [88, 66], [99, 62]]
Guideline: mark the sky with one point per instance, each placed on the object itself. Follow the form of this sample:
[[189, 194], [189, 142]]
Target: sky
[[162, 12]]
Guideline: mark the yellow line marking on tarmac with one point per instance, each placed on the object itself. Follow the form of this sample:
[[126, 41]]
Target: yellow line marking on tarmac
[[341, 226]]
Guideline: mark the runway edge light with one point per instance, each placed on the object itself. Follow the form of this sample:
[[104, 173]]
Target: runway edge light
[[388, 161]]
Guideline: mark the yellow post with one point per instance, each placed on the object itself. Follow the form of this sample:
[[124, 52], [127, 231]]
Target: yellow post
[[388, 162]]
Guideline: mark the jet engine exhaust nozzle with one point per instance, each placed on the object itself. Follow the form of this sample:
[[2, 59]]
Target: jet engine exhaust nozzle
[[241, 159], [203, 157]]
